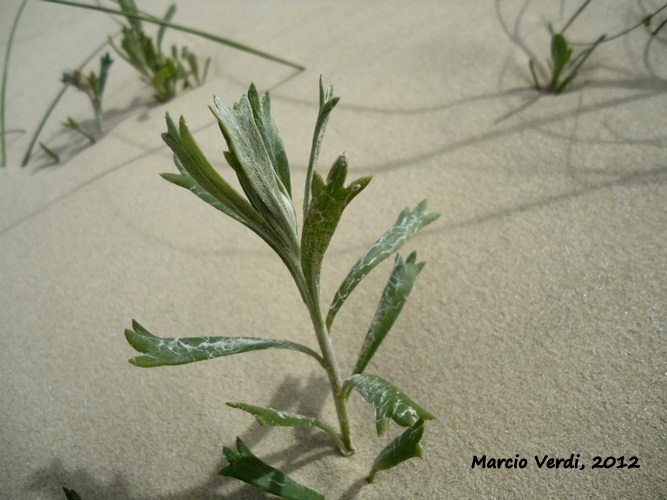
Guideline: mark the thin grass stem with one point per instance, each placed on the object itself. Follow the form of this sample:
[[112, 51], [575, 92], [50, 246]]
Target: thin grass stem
[[192, 31], [3, 93]]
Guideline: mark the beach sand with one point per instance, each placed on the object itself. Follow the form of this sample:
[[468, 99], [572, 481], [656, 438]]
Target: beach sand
[[536, 328]]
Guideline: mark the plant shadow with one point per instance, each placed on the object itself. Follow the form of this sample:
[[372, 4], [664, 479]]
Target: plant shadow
[[310, 445]]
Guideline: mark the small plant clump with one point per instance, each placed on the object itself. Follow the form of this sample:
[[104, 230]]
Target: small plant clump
[[163, 72], [93, 86], [563, 67], [257, 157]]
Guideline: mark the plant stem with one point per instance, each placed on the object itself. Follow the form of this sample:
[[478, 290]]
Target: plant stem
[[5, 69], [329, 362], [575, 15], [162, 22]]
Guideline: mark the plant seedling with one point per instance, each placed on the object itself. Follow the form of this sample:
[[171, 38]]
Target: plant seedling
[[160, 71], [563, 67], [93, 86], [257, 157]]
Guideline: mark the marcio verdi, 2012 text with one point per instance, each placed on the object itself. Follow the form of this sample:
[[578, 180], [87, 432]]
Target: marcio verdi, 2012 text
[[549, 462]]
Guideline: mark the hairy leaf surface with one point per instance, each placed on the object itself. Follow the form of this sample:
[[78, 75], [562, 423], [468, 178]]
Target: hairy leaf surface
[[327, 103], [250, 469], [404, 228], [277, 418], [402, 448], [391, 304], [157, 351], [326, 209], [258, 175], [388, 401]]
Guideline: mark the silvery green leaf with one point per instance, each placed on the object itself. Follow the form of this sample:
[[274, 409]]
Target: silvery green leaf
[[277, 418], [326, 209], [402, 448], [393, 299], [258, 175], [261, 110], [388, 401], [157, 351], [193, 162], [404, 228], [327, 103], [245, 466]]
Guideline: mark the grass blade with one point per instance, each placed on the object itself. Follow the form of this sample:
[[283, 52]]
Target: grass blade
[[5, 71], [178, 27]]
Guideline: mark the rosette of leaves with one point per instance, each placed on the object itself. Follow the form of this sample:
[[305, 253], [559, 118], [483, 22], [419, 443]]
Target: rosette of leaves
[[257, 157], [165, 73]]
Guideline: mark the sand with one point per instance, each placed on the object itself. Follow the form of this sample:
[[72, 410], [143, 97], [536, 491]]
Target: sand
[[536, 328]]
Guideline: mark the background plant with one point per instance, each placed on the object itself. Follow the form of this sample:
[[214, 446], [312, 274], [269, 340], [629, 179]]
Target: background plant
[[165, 73], [257, 157], [93, 86], [563, 68], [184, 67]]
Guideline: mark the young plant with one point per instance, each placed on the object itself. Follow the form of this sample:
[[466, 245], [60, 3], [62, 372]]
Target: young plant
[[93, 86], [164, 73], [257, 157], [562, 66]]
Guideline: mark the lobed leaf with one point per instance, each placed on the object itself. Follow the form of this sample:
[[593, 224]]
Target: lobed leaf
[[404, 447], [276, 418], [245, 466], [192, 163], [157, 351], [326, 209], [248, 155], [405, 227], [393, 299], [387, 400], [327, 103], [261, 110]]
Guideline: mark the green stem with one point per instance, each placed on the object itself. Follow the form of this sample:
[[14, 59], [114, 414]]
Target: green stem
[[162, 22], [5, 69], [329, 361], [575, 15]]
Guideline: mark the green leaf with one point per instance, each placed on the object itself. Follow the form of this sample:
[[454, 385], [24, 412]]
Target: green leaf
[[157, 351], [163, 27], [258, 175], [387, 400], [250, 469], [393, 299], [52, 154], [404, 228], [71, 494], [402, 448], [105, 64], [276, 418], [326, 209], [192, 163], [261, 110], [327, 104]]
